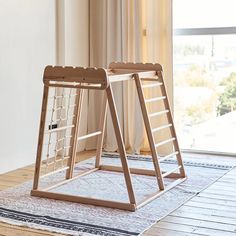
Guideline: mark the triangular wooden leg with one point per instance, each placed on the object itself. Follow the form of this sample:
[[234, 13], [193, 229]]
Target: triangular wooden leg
[[120, 143], [40, 138], [102, 129]]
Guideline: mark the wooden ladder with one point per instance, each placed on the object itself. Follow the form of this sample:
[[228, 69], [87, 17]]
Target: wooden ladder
[[156, 82], [150, 130]]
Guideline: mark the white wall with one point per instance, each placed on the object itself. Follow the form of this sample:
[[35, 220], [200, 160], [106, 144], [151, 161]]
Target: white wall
[[27, 44]]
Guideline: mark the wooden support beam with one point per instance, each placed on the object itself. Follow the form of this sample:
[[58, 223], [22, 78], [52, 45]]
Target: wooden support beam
[[84, 200]]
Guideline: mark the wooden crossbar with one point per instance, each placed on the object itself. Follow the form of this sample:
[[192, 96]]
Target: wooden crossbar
[[161, 127], [158, 113], [164, 142], [59, 129], [151, 85], [89, 135], [155, 99], [168, 156]]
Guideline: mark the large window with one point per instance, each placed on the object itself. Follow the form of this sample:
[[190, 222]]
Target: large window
[[205, 74]]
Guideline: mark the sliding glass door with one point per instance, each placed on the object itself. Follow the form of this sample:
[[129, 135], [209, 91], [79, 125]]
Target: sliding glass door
[[204, 54]]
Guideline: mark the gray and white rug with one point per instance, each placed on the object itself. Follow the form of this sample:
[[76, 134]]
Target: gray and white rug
[[19, 208]]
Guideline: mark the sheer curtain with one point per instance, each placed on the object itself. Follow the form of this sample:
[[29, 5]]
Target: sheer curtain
[[134, 31]]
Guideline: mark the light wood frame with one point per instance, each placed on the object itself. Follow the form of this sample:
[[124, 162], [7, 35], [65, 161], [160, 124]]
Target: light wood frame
[[101, 79]]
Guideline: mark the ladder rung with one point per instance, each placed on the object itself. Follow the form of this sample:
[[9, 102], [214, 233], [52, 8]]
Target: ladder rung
[[167, 156], [161, 127], [170, 172], [59, 129], [164, 142], [155, 99], [158, 113], [150, 79], [151, 85], [89, 135]]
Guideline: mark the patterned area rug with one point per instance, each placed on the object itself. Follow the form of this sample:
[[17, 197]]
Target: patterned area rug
[[19, 208]]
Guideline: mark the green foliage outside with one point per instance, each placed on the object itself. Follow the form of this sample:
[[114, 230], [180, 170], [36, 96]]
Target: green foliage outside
[[202, 111], [195, 76], [227, 100]]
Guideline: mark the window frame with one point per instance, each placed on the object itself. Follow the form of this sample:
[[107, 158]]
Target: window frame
[[205, 31]]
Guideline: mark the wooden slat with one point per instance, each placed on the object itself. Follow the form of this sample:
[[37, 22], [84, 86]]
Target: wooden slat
[[73, 85], [41, 137], [205, 217], [161, 127], [13, 230], [118, 77], [84, 200], [217, 196], [202, 199], [225, 183], [200, 223], [168, 156], [166, 232], [164, 142], [151, 85], [157, 113], [211, 206], [138, 171], [136, 66], [89, 135], [15, 179], [217, 191], [223, 187], [208, 211], [175, 227], [194, 229], [155, 99], [154, 79], [226, 178], [59, 129], [132, 170], [232, 174]]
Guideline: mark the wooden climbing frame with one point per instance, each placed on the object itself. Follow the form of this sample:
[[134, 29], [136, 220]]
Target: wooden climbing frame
[[60, 123]]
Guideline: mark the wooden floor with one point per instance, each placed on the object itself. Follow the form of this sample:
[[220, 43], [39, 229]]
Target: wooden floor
[[212, 212]]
